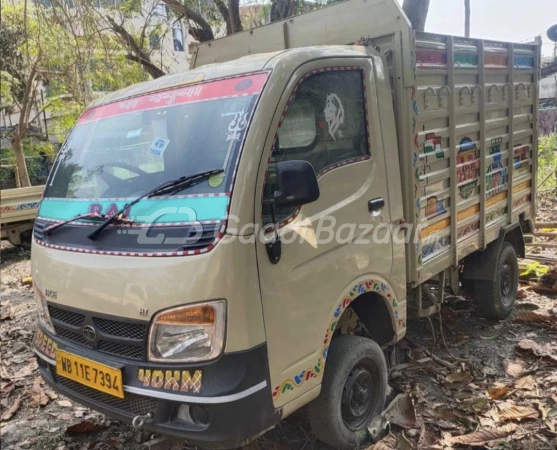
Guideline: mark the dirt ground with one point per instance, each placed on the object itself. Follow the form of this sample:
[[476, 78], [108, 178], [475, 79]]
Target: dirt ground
[[458, 381]]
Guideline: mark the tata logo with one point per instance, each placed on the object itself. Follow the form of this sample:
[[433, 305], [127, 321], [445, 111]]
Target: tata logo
[[89, 333]]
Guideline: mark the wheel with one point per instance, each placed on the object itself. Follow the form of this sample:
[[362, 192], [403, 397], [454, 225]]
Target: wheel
[[495, 298], [353, 392]]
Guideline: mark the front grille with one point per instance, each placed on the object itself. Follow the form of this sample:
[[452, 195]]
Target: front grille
[[69, 317], [121, 329], [126, 338], [131, 404], [127, 351], [71, 336], [38, 229]]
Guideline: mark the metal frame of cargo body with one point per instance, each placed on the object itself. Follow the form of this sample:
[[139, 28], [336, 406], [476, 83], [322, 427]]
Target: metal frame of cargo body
[[485, 127], [382, 23]]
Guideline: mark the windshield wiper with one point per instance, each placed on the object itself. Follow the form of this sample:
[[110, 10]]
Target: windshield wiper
[[89, 216], [166, 187]]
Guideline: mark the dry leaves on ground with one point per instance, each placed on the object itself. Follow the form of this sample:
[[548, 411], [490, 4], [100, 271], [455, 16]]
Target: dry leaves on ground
[[401, 412], [532, 317], [514, 368], [482, 437], [496, 392], [389, 442], [86, 426], [527, 383], [37, 394], [514, 412], [12, 409], [546, 350]]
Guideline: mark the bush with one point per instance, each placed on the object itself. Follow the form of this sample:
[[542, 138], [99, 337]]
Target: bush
[[547, 160]]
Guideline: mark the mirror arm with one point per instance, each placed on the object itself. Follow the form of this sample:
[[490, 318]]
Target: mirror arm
[[274, 247]]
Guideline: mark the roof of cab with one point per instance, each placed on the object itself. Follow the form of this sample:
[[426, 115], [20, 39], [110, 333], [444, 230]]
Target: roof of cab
[[291, 58]]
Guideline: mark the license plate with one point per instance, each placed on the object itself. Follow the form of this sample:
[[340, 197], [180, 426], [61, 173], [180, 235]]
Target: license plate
[[90, 373]]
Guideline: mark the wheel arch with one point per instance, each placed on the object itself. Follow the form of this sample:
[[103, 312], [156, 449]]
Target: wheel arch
[[376, 314]]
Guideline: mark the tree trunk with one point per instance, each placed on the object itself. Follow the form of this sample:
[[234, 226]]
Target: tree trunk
[[20, 161], [416, 11], [279, 9], [234, 11], [223, 9], [467, 18]]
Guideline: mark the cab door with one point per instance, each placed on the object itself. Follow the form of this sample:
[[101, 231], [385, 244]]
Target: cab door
[[328, 117]]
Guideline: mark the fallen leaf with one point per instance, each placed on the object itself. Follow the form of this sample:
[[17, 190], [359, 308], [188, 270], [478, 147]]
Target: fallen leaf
[[459, 377], [552, 413], [27, 370], [65, 403], [401, 412], [6, 388], [518, 413], [475, 404], [27, 280], [482, 437], [442, 413], [387, 443], [6, 313], [514, 368], [402, 443], [4, 374], [534, 317], [86, 426], [547, 350], [37, 394], [528, 383], [12, 409], [496, 392], [51, 394]]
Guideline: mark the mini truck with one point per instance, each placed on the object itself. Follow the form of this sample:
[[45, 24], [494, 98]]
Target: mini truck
[[194, 261]]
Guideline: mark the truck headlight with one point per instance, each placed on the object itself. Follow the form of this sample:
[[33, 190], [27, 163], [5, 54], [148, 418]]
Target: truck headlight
[[42, 309], [188, 333]]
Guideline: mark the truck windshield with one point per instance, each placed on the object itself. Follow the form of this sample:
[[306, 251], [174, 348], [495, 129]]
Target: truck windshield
[[123, 149]]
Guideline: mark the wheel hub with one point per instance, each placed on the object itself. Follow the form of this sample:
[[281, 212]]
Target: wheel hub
[[356, 399]]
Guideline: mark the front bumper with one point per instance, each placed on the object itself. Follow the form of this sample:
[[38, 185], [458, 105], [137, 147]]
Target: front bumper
[[228, 401]]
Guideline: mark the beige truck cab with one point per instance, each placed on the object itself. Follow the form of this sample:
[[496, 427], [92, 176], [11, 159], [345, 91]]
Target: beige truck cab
[[219, 248]]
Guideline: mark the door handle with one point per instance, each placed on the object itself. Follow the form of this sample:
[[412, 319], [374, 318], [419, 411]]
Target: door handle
[[376, 205]]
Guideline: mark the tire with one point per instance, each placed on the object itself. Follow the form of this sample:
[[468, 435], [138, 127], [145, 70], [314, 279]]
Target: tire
[[355, 369], [495, 299]]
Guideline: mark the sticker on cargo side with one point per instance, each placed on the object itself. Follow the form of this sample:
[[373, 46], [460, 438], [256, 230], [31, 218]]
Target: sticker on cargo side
[[158, 146]]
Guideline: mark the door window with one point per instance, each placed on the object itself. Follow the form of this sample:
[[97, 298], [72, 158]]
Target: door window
[[325, 124]]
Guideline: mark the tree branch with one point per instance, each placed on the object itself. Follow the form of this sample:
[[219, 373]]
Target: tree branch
[[135, 52], [203, 32]]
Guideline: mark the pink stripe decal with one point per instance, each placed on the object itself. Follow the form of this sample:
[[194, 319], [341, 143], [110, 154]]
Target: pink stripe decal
[[211, 90]]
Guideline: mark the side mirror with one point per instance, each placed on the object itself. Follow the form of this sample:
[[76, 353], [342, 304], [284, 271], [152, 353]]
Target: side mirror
[[297, 184]]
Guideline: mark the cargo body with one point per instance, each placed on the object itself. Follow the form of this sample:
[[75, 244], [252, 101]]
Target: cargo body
[[18, 209], [250, 235]]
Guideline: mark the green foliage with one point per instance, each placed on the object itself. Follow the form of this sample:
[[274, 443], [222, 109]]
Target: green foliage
[[547, 160], [39, 156]]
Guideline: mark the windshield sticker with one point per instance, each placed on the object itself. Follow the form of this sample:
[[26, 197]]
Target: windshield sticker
[[238, 124], [134, 133], [210, 90], [334, 113], [158, 146], [216, 180], [169, 98]]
